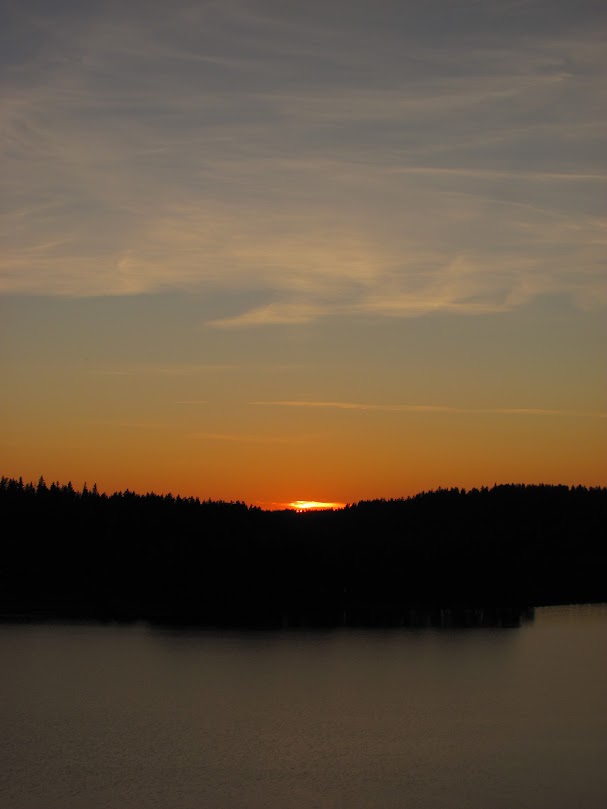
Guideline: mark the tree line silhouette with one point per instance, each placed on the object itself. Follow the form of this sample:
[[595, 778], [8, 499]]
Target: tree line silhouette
[[450, 555]]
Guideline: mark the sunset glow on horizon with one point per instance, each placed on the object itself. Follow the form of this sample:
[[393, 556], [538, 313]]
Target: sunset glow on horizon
[[254, 250], [314, 505]]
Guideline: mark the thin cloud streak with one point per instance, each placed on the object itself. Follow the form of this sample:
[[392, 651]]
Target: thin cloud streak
[[272, 314], [510, 174], [133, 425], [250, 439], [407, 408], [161, 370], [193, 402]]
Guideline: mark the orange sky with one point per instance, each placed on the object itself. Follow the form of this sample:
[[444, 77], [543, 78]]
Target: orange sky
[[282, 252]]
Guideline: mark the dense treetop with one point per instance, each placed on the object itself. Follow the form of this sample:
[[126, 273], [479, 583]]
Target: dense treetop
[[85, 553]]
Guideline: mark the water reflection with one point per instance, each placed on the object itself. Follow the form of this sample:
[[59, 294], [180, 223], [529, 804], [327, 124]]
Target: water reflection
[[427, 716]]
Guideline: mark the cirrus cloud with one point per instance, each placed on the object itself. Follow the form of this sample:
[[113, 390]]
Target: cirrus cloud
[[244, 146]]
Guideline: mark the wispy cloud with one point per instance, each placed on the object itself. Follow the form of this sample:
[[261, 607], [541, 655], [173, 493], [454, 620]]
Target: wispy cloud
[[137, 425], [179, 369], [423, 408], [236, 147], [272, 314], [243, 438], [515, 176]]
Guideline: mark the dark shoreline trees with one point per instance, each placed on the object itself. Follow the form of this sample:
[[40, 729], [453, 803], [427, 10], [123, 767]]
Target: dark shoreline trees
[[440, 556]]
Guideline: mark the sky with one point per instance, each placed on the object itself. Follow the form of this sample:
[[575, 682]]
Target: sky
[[276, 251]]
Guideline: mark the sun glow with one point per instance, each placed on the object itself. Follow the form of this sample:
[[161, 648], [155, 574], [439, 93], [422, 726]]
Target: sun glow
[[313, 505]]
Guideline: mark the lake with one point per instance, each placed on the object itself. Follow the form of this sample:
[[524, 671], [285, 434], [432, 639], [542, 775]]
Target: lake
[[128, 716]]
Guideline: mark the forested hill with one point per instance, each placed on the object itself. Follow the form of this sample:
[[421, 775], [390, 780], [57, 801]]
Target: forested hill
[[127, 556]]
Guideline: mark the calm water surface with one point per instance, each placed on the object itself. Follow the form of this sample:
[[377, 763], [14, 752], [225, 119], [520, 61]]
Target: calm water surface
[[132, 716]]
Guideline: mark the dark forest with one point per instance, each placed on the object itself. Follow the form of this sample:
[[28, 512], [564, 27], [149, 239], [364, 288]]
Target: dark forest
[[447, 556]]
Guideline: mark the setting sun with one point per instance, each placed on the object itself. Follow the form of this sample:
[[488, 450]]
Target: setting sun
[[313, 505]]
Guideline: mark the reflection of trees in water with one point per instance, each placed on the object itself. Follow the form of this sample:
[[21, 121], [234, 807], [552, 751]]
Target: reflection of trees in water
[[447, 557]]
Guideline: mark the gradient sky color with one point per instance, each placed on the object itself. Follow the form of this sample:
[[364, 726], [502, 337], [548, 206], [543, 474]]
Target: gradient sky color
[[284, 251]]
